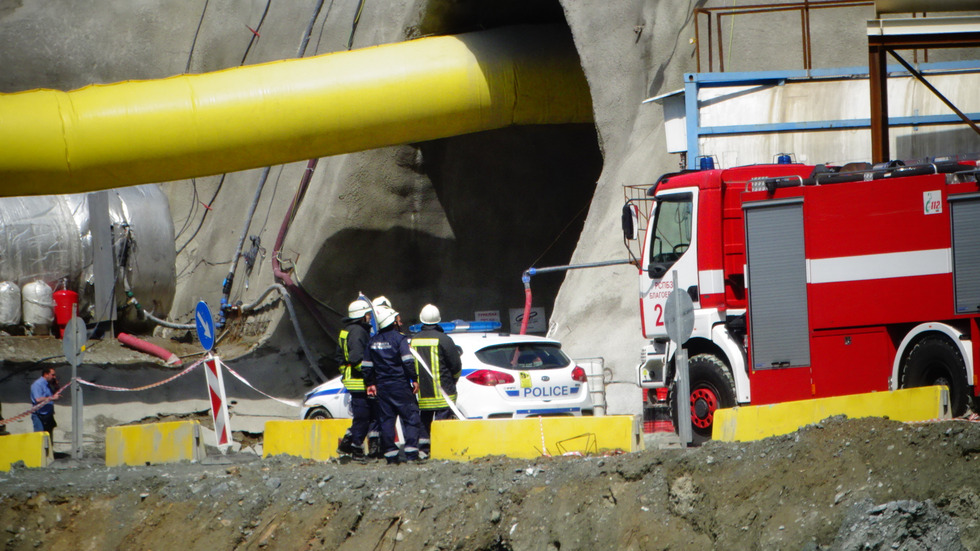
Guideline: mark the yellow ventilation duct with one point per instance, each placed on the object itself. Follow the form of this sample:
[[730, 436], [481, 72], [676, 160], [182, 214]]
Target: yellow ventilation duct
[[127, 133]]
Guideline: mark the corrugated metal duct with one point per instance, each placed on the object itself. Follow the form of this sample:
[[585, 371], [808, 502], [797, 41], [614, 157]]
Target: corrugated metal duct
[[105, 136]]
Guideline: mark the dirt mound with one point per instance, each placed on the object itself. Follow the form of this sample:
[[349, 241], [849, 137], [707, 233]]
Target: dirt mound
[[840, 484]]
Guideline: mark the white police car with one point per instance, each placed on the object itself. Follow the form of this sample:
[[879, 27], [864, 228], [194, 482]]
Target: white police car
[[504, 377]]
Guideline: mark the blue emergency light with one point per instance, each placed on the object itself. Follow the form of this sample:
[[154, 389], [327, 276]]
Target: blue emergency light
[[460, 326]]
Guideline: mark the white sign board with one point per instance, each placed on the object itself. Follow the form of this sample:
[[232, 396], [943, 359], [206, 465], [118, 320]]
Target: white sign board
[[536, 322], [487, 315], [932, 202]]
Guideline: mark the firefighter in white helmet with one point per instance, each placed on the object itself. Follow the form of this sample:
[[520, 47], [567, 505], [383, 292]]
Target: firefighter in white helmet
[[389, 374], [442, 356], [351, 346]]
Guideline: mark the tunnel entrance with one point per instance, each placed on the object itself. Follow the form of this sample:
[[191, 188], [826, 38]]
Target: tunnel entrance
[[471, 212], [515, 197]]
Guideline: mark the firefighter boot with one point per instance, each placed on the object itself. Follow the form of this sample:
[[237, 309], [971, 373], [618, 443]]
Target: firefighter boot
[[346, 447], [374, 447]]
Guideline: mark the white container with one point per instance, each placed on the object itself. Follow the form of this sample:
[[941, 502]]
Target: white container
[[9, 303], [38, 307]]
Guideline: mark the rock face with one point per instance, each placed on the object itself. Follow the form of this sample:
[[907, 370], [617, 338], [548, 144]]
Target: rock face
[[453, 222]]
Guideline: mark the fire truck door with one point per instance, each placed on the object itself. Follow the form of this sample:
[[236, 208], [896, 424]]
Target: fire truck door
[[779, 352], [671, 245]]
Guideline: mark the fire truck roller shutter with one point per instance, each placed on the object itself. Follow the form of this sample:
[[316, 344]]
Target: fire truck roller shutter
[[712, 387]]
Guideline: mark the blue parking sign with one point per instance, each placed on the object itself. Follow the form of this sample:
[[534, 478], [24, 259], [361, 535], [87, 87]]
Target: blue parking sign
[[205, 325]]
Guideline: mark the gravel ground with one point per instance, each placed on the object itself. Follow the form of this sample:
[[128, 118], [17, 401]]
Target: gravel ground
[[840, 484]]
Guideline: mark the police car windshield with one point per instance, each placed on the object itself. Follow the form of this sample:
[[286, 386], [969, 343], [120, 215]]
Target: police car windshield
[[524, 356]]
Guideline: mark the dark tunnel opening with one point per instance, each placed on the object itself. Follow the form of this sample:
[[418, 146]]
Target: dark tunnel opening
[[512, 198]]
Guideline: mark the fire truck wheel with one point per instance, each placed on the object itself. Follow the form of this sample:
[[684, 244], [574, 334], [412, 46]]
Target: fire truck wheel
[[936, 361], [712, 387]]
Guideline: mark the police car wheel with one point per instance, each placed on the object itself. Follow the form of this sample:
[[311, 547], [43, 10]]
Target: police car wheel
[[318, 413]]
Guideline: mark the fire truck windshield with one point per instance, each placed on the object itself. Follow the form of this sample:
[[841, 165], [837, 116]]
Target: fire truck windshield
[[671, 231]]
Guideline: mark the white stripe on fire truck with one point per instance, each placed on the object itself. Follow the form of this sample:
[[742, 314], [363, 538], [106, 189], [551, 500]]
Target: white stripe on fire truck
[[879, 266], [711, 282]]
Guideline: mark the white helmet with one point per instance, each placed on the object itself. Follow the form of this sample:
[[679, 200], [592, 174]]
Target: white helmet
[[381, 301], [358, 308], [386, 316], [429, 315]]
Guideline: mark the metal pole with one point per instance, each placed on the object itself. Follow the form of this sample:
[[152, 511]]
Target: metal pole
[[77, 423], [683, 383], [526, 280], [878, 83], [933, 89], [536, 271]]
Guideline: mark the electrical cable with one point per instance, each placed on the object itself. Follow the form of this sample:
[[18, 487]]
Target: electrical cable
[[190, 214], [557, 237], [357, 19], [196, 33], [255, 32], [221, 182]]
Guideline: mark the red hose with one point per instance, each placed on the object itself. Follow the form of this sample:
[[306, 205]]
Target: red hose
[[277, 271], [527, 306], [152, 349]]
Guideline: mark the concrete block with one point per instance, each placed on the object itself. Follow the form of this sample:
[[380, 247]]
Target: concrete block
[[154, 443], [310, 439], [532, 437], [745, 423], [33, 448]]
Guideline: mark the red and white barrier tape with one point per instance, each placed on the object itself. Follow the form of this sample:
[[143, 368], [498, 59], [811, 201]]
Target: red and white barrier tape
[[188, 369], [294, 403]]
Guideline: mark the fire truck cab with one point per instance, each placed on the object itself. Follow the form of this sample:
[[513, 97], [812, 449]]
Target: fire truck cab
[[814, 281]]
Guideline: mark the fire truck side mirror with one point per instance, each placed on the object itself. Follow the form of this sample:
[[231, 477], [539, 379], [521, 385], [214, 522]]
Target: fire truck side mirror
[[631, 215]]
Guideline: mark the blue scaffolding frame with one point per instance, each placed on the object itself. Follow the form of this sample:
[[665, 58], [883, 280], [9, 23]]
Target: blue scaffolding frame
[[693, 82]]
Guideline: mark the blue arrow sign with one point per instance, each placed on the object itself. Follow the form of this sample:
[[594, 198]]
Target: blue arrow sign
[[205, 325]]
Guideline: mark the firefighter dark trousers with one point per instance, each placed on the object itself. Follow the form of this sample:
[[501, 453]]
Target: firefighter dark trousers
[[429, 415], [365, 413], [395, 399]]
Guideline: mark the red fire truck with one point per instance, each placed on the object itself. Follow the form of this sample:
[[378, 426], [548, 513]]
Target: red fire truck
[[813, 281]]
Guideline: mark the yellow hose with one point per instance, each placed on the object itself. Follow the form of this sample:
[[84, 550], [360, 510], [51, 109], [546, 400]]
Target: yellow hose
[[127, 133]]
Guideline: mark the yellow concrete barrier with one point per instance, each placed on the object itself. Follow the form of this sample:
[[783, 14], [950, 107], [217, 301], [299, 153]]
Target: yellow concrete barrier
[[33, 448], [309, 439], [153, 443], [529, 438], [744, 423]]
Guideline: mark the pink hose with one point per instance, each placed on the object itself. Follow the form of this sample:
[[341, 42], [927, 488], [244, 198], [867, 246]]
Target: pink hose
[[527, 305], [152, 349]]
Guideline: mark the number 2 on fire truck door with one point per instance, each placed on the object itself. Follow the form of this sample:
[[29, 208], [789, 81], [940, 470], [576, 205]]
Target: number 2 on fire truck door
[[932, 202], [525, 379]]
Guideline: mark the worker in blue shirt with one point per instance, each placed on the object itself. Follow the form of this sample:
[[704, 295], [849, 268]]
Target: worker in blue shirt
[[42, 392], [389, 373]]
